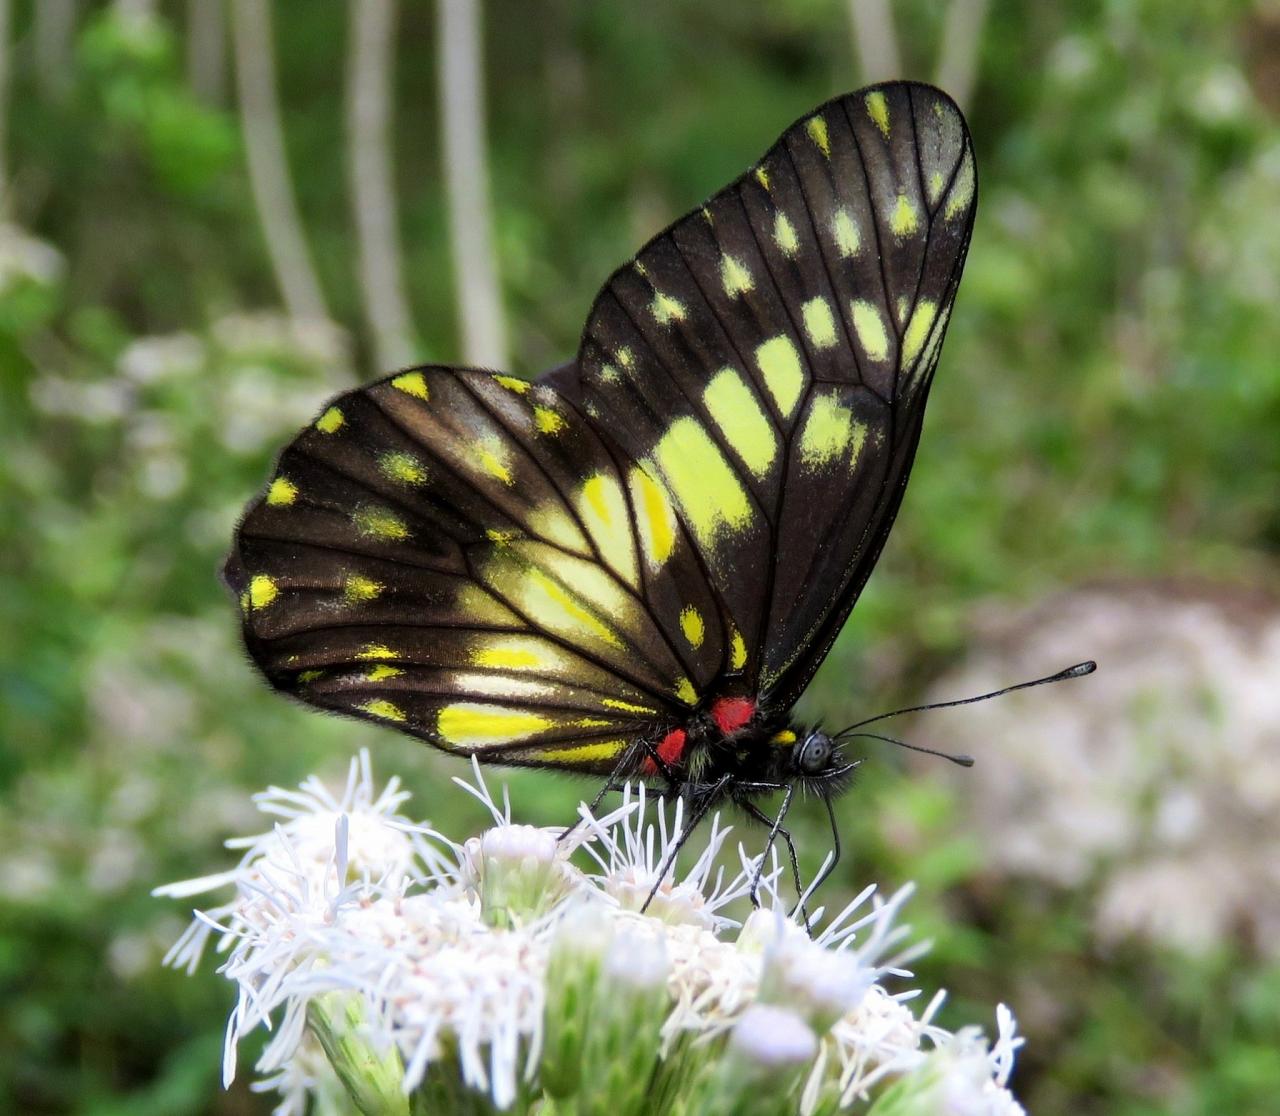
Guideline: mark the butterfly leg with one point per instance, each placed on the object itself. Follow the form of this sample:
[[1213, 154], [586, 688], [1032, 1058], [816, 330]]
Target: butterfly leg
[[776, 830], [696, 813], [830, 864], [613, 783]]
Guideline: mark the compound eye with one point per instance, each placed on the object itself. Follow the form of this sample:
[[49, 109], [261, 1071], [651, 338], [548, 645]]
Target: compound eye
[[815, 754]]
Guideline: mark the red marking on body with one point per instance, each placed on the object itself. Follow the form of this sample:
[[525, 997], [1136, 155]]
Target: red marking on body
[[670, 750], [732, 713]]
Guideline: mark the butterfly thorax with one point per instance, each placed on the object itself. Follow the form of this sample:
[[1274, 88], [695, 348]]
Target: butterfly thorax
[[741, 748]]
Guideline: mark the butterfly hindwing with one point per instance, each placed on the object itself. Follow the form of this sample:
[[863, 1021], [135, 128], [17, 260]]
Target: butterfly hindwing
[[463, 556], [768, 357]]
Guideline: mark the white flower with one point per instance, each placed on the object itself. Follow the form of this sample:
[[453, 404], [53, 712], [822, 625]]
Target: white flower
[[772, 1038], [149, 360], [634, 851], [23, 256], [271, 334], [496, 966]]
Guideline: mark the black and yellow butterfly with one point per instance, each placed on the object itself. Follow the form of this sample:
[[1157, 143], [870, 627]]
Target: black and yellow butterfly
[[634, 565]]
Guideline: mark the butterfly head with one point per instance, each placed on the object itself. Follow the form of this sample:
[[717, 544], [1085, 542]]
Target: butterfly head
[[813, 753], [818, 764]]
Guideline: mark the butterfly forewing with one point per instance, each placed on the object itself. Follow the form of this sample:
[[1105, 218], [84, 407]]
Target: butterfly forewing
[[552, 573], [769, 355]]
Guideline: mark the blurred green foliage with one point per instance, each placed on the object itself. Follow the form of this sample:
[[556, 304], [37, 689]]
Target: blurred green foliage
[[1108, 404]]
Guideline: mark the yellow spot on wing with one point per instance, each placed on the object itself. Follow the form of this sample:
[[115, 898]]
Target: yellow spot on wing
[[309, 675], [935, 340], [654, 515], [904, 220], [547, 420], [376, 651], [701, 480], [603, 509], [666, 309], [548, 602], [513, 383], [786, 736], [380, 707], [493, 458], [282, 491], [262, 590], [626, 357], [331, 421], [735, 277], [357, 588], [878, 110], [845, 231], [869, 326], [510, 654], [550, 522], [402, 467], [625, 706], [412, 383], [918, 329], [379, 523], [962, 192], [473, 724], [762, 176], [737, 651], [686, 693], [737, 412], [784, 235], [816, 126], [829, 431], [692, 626], [381, 671], [819, 324], [584, 753], [783, 374], [936, 183]]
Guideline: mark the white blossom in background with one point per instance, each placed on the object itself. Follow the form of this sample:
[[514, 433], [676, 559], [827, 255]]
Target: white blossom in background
[[24, 257], [267, 334], [151, 360], [1147, 779], [396, 967]]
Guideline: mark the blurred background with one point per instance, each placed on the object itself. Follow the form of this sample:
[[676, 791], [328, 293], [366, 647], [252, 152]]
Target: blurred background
[[215, 215]]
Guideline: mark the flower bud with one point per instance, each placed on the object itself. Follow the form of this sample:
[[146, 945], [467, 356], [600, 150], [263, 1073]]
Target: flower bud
[[954, 1080], [767, 1054], [820, 985], [574, 964], [517, 871], [628, 1010], [372, 1077]]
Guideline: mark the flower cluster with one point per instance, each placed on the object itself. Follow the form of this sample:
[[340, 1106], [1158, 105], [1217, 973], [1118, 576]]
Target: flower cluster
[[400, 971]]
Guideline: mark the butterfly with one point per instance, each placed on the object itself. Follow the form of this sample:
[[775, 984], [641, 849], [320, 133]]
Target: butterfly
[[632, 566]]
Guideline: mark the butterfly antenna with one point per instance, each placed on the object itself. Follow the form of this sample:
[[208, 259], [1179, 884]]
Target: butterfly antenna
[[958, 760], [1077, 671]]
